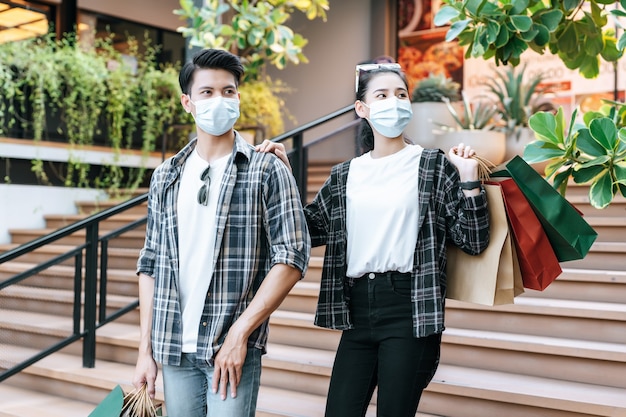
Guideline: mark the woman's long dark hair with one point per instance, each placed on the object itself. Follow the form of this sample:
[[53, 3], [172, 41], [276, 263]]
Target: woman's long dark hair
[[365, 133]]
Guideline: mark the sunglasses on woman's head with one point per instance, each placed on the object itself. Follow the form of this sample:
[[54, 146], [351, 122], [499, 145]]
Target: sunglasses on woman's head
[[394, 66], [203, 192]]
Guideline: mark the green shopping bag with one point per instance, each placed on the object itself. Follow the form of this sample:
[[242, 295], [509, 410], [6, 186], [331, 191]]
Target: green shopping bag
[[135, 404], [569, 234]]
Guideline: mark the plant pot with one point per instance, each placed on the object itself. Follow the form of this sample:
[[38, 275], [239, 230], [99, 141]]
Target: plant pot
[[426, 118], [488, 144]]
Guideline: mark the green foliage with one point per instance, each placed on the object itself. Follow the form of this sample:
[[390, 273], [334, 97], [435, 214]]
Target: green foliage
[[261, 106], [93, 92], [253, 30], [479, 116], [575, 30], [434, 88], [594, 152]]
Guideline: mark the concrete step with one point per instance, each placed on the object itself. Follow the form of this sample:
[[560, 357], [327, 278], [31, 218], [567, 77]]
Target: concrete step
[[603, 256], [92, 207], [119, 258], [548, 357], [133, 239], [61, 277], [568, 319], [609, 229], [58, 302], [19, 402], [580, 199], [297, 329], [57, 221], [585, 285], [115, 341], [469, 392], [302, 297]]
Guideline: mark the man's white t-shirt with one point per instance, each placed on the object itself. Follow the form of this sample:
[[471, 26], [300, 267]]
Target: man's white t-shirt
[[196, 241]]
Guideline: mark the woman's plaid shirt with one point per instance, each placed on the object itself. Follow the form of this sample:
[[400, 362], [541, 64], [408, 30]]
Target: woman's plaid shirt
[[445, 215], [260, 223]]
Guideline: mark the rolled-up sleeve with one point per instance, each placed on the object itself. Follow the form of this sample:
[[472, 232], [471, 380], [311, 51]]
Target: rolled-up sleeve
[[288, 235], [147, 255]]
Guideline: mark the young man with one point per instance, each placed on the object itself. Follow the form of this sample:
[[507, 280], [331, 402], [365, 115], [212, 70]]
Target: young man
[[226, 240]]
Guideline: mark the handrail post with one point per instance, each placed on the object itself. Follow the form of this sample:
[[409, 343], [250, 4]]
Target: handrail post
[[91, 278], [300, 165]]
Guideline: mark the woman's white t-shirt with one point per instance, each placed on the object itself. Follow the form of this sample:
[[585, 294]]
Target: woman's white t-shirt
[[196, 241], [382, 212]]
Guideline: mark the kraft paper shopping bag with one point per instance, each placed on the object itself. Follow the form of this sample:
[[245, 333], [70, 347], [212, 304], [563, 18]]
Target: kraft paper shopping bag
[[492, 277]]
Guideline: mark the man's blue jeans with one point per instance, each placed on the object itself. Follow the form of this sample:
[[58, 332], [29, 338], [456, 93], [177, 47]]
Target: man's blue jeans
[[188, 389]]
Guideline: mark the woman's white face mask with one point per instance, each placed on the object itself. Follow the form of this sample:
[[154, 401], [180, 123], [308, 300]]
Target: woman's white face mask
[[216, 115], [390, 116]]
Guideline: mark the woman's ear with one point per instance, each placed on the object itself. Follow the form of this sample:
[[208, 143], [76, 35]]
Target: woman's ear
[[361, 109]]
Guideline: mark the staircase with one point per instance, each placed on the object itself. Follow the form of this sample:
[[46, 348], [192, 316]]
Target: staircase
[[560, 352]]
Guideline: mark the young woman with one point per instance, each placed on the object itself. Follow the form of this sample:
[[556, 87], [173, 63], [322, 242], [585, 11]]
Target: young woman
[[386, 218]]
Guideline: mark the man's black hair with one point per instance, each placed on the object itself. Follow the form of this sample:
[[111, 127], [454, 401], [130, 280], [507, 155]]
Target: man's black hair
[[210, 59]]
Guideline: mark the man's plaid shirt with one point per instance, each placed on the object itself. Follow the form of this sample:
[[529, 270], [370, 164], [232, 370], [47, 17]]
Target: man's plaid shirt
[[445, 216], [260, 223]]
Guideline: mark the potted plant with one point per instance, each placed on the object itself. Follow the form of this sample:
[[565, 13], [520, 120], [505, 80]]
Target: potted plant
[[255, 31], [429, 109], [517, 99], [474, 127], [591, 153]]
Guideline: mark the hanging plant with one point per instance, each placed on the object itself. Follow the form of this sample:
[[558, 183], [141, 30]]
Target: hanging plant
[[92, 94]]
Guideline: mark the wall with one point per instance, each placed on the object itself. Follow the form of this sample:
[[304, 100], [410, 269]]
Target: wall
[[326, 83], [158, 13], [29, 204]]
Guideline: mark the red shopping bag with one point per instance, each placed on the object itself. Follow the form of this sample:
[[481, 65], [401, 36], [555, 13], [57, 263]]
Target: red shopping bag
[[538, 262]]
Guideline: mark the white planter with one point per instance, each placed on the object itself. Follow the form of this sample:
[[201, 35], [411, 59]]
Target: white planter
[[488, 144], [426, 117]]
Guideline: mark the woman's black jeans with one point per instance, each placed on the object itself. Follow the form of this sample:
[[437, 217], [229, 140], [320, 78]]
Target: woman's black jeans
[[381, 351]]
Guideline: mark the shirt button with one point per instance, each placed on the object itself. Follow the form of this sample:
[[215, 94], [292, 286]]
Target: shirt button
[[372, 275], [208, 295], [204, 323]]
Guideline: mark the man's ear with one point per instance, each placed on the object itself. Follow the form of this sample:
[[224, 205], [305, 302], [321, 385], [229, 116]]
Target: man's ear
[[186, 102], [360, 109]]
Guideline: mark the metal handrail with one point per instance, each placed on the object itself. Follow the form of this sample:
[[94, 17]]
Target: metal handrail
[[90, 275], [95, 267]]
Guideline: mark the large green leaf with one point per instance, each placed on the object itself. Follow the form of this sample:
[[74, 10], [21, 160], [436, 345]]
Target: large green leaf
[[519, 6], [587, 144], [593, 45], [582, 175], [604, 131], [551, 19], [456, 28], [445, 15], [568, 40], [543, 35], [521, 23], [503, 37], [601, 192], [561, 178], [545, 127], [622, 42], [620, 172], [536, 151]]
